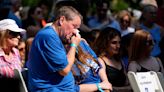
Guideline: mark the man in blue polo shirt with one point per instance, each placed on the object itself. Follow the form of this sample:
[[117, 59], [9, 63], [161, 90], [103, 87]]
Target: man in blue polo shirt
[[48, 64]]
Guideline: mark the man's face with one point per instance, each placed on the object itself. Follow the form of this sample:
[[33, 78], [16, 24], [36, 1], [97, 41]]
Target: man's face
[[68, 28], [151, 15], [102, 11]]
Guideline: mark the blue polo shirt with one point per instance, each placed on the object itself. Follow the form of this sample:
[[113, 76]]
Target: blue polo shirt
[[46, 58]]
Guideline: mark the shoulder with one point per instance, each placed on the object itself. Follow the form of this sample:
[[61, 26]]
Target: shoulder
[[101, 61], [133, 63], [133, 66], [47, 31], [47, 34], [157, 59]]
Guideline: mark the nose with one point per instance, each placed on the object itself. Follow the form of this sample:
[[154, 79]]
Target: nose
[[118, 45]]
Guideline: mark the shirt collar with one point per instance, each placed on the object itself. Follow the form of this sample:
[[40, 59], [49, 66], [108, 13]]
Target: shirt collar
[[1, 52]]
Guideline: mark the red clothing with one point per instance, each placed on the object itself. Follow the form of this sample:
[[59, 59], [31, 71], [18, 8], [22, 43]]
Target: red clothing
[[8, 64]]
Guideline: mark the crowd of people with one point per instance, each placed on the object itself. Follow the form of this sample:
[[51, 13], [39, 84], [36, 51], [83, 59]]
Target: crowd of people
[[67, 49]]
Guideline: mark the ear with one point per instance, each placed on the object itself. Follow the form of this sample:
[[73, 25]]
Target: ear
[[61, 20]]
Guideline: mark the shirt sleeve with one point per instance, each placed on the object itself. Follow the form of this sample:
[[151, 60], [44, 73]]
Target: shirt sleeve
[[132, 66], [77, 88]]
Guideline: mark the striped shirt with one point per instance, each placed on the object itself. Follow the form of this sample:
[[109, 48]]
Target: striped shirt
[[8, 64]]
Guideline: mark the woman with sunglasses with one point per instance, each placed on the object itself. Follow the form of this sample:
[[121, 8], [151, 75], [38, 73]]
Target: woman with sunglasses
[[10, 34], [107, 47], [125, 21], [140, 59]]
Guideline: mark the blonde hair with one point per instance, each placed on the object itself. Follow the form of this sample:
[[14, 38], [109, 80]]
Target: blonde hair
[[68, 11], [122, 14], [3, 36], [82, 56]]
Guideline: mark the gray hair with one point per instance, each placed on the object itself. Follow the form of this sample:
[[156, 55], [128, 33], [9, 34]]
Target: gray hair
[[68, 11]]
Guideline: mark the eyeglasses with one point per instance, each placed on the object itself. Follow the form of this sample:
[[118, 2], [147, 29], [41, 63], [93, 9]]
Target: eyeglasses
[[14, 34], [149, 42], [21, 49]]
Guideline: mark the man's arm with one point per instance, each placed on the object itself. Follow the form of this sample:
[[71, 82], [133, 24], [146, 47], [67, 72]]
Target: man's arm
[[71, 59], [71, 55]]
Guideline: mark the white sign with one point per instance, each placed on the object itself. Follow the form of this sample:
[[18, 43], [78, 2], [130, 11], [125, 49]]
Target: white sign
[[146, 82]]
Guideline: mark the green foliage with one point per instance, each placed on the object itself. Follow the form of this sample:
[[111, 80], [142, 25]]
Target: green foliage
[[30, 2], [118, 5]]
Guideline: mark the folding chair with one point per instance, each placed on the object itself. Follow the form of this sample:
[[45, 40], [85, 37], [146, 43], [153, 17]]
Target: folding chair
[[145, 81], [22, 84], [161, 79]]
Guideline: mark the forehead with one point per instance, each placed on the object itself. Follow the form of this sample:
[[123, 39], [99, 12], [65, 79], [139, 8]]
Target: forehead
[[76, 20], [38, 9], [116, 38], [126, 17], [21, 44]]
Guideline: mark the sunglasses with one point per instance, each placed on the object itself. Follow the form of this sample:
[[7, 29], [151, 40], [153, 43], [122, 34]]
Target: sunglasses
[[125, 21], [21, 49], [14, 34]]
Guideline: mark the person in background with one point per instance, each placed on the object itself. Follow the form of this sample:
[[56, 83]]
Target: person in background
[[107, 47], [140, 59], [49, 66], [14, 12], [5, 6], [160, 21], [33, 23], [125, 42], [21, 47], [101, 19], [92, 36], [28, 44], [160, 13], [46, 6], [124, 18], [10, 34], [162, 50], [147, 22]]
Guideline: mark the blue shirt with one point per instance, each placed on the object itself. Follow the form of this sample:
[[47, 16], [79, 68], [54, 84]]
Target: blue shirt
[[89, 78], [95, 24], [46, 58], [18, 21]]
